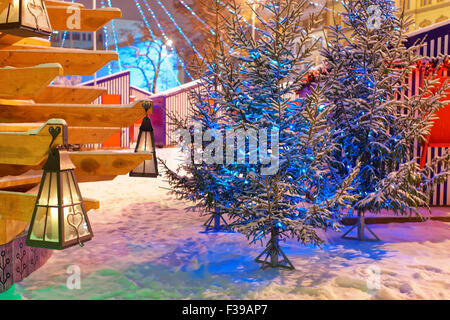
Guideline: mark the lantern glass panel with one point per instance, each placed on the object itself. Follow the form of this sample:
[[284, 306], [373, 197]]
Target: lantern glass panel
[[39, 224], [145, 143], [34, 14], [43, 198], [10, 14], [148, 166], [53, 195], [76, 196], [74, 221], [66, 196], [52, 226]]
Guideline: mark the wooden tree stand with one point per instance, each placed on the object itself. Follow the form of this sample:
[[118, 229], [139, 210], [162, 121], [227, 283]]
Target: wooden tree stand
[[18, 261], [214, 224], [360, 228], [274, 252]]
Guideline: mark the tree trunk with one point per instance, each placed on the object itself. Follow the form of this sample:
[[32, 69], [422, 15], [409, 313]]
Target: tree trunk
[[273, 251], [361, 225]]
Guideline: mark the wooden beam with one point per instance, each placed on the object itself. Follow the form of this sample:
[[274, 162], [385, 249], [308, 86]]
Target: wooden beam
[[9, 39], [89, 115], [16, 206], [56, 3], [74, 61], [21, 183], [10, 229], [62, 18], [27, 82], [30, 148], [76, 135], [19, 206], [92, 164], [88, 135], [69, 95]]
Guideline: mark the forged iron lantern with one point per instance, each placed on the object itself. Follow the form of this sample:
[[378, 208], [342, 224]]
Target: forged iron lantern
[[25, 18], [146, 143], [59, 218]]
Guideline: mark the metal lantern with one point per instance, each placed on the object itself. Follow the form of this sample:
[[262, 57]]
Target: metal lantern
[[25, 18], [59, 218], [146, 143]]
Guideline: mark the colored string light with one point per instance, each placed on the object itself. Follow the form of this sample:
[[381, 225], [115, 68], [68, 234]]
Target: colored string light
[[166, 39], [197, 17], [113, 27], [181, 32], [106, 37]]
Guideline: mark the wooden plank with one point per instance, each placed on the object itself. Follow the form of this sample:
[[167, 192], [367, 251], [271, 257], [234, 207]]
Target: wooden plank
[[16, 206], [20, 183], [87, 135], [27, 82], [89, 115], [9, 39], [30, 148], [10, 229], [76, 135], [19, 127], [62, 18], [19, 206], [69, 95], [56, 3], [14, 170], [105, 163], [74, 61]]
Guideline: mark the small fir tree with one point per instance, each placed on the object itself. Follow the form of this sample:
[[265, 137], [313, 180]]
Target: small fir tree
[[376, 123]]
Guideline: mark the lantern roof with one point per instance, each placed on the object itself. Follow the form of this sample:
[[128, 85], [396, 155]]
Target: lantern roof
[[58, 161], [146, 125]]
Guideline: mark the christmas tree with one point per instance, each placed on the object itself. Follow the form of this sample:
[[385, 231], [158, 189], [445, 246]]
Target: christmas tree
[[197, 180], [278, 148], [377, 124]]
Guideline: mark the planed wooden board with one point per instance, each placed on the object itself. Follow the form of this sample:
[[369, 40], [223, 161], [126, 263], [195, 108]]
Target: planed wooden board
[[107, 164], [57, 3], [73, 61], [27, 82], [88, 115], [10, 229], [90, 135], [63, 18], [21, 183], [30, 148], [76, 135], [69, 94], [9, 39]]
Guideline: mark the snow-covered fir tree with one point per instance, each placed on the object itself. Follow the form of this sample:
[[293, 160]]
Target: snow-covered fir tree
[[196, 180], [283, 188], [377, 124]]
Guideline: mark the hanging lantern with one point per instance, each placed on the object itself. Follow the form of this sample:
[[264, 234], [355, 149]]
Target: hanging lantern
[[25, 18], [59, 218], [146, 143]]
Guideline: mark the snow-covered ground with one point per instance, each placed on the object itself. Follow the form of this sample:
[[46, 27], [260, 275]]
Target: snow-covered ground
[[147, 247]]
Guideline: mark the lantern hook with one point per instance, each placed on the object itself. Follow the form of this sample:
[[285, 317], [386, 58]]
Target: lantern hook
[[147, 106], [54, 132]]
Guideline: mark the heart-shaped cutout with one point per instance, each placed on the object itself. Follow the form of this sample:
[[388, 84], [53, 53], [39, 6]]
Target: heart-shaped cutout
[[75, 220]]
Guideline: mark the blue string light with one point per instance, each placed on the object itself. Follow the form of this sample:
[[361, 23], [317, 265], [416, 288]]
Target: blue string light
[[115, 35], [181, 32], [166, 39], [144, 18], [106, 37], [197, 17]]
